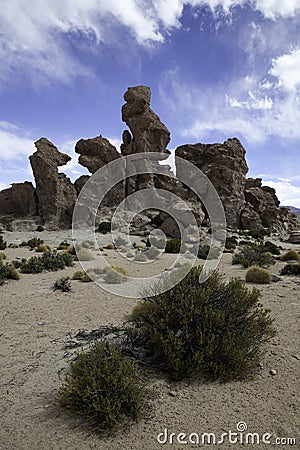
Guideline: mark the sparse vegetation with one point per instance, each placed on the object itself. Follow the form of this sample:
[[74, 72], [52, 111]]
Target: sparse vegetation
[[3, 244], [105, 387], [291, 269], [48, 262], [110, 246], [62, 284], [8, 272], [115, 275], [258, 275], [215, 329], [41, 248], [104, 227], [81, 275], [290, 255], [2, 256], [34, 242], [173, 245], [84, 255], [253, 255], [140, 257], [40, 228]]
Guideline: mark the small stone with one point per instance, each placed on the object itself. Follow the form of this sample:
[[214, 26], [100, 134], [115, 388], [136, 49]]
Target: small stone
[[42, 323], [260, 365], [273, 372], [173, 394], [297, 357]]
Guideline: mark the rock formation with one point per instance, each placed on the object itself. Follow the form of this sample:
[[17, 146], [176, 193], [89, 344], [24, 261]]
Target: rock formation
[[225, 166], [19, 200], [247, 204], [94, 154], [55, 193]]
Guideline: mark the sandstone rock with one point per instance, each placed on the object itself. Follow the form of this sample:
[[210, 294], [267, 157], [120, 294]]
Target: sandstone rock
[[55, 192], [80, 182], [250, 219], [225, 166], [19, 200], [149, 134], [95, 153]]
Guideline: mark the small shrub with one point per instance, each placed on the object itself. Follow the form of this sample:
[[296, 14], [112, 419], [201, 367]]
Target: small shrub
[[215, 329], [152, 253], [34, 242], [64, 245], [231, 243], [290, 255], [115, 275], [140, 257], [105, 388], [253, 255], [32, 265], [173, 245], [62, 284], [110, 246], [8, 272], [84, 255], [272, 248], [43, 248], [257, 234], [2, 256], [48, 261], [87, 244], [104, 227], [2, 243], [258, 275], [40, 228], [291, 269]]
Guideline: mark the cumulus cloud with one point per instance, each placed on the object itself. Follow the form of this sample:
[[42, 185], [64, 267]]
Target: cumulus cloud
[[37, 37], [287, 192], [14, 142], [287, 69]]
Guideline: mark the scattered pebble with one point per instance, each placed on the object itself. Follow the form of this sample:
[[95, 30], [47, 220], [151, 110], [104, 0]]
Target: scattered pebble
[[173, 394], [273, 372]]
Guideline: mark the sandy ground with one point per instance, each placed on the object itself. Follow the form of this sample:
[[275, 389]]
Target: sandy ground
[[36, 323]]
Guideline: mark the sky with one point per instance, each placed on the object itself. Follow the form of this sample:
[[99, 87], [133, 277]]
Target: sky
[[216, 69]]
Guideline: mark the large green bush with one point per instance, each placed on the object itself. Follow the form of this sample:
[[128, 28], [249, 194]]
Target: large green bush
[[215, 329], [105, 387]]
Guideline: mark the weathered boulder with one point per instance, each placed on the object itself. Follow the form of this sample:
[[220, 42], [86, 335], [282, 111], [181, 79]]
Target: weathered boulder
[[80, 182], [225, 166], [19, 200], [55, 192], [95, 153], [149, 134]]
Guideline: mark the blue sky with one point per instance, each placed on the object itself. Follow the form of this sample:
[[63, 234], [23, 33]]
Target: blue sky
[[216, 70]]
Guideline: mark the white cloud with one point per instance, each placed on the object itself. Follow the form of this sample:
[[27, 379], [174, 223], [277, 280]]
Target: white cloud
[[287, 69], [35, 36], [14, 143], [274, 8], [288, 193]]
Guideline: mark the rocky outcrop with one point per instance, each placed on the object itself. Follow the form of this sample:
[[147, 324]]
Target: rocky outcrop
[[262, 208], [95, 153], [148, 134], [55, 193], [19, 200], [225, 166]]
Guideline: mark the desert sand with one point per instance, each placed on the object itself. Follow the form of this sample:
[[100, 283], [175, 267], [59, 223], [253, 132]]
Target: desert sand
[[37, 322]]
